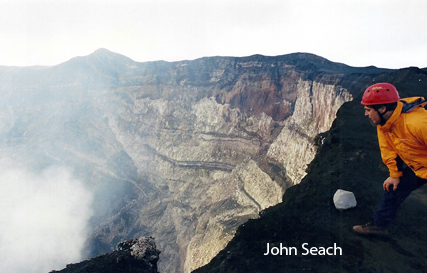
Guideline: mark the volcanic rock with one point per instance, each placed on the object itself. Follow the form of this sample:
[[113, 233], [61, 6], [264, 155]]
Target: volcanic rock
[[132, 256], [344, 199]]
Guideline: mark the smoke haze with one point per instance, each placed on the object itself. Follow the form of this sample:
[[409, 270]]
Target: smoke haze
[[43, 219]]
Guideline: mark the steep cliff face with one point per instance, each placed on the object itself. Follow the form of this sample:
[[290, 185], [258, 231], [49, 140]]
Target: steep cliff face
[[314, 111], [185, 152]]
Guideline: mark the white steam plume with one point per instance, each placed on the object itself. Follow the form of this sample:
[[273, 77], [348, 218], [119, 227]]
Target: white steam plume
[[43, 219]]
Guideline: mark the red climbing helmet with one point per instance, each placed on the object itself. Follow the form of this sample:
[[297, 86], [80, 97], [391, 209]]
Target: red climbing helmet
[[380, 93]]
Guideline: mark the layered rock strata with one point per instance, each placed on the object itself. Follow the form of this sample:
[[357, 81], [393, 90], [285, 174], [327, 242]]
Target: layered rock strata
[[314, 111]]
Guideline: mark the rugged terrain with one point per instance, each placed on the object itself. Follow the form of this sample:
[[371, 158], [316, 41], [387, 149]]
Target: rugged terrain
[[185, 151], [133, 255], [348, 159]]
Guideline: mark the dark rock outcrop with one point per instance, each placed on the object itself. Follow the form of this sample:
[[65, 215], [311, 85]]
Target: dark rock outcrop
[[132, 256]]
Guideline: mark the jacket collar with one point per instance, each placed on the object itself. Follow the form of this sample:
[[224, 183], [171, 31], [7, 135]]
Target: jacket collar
[[396, 113]]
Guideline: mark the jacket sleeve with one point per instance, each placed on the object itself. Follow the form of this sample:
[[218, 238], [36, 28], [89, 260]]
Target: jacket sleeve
[[389, 156]]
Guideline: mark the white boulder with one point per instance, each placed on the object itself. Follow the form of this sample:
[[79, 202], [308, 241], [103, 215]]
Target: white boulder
[[344, 199]]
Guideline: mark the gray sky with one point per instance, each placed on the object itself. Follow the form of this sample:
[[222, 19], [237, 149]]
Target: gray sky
[[384, 33]]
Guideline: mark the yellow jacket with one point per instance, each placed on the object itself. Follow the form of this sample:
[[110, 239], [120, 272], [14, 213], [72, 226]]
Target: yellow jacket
[[404, 137]]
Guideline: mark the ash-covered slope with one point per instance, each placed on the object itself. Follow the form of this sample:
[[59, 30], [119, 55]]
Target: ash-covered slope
[[349, 159]]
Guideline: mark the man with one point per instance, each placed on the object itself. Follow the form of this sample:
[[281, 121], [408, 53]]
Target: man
[[402, 136]]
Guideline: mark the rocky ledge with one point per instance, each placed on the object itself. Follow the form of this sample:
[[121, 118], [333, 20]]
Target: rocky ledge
[[134, 255]]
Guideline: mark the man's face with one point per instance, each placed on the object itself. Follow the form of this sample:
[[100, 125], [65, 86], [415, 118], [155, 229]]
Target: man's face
[[373, 115]]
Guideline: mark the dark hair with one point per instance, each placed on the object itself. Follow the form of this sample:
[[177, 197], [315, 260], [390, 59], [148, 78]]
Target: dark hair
[[388, 106]]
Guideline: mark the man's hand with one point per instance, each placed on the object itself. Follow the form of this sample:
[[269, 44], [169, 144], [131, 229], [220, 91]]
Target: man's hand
[[391, 181]]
